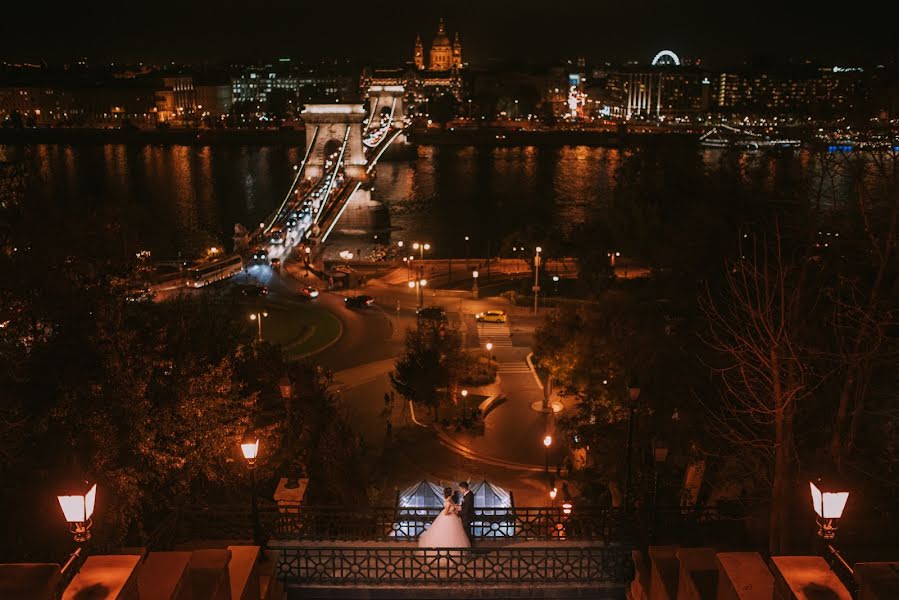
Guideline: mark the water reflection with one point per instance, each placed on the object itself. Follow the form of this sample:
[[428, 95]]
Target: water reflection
[[184, 198]]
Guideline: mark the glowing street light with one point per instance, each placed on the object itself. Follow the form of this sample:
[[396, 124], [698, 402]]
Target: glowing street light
[[489, 346], [828, 503], [537, 276], [258, 316], [78, 509], [418, 284], [547, 442], [249, 447]]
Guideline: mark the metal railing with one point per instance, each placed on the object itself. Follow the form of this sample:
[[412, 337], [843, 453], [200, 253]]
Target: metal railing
[[389, 524], [406, 524], [392, 565]]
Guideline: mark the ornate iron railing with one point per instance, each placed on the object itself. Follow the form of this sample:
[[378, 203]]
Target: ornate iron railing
[[392, 565], [406, 524]]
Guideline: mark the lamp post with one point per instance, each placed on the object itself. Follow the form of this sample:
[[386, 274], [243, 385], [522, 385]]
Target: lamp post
[[552, 497], [249, 446], [556, 283], [78, 508], [489, 347], [633, 394], [258, 316], [537, 276], [467, 246], [421, 247], [418, 284], [474, 284], [828, 502], [547, 442]]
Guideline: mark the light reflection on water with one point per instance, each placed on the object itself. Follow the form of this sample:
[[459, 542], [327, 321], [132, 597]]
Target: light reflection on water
[[185, 198]]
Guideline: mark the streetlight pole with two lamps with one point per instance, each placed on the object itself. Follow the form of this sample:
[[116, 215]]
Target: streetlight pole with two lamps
[[258, 316], [418, 284]]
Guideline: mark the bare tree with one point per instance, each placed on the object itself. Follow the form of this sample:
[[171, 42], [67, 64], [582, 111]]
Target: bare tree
[[754, 328], [862, 313]]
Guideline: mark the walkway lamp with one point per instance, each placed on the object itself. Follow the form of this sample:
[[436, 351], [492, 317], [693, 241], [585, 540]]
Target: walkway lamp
[[418, 284], [537, 276], [78, 507], [547, 442], [249, 447], [566, 507], [828, 501], [258, 316]]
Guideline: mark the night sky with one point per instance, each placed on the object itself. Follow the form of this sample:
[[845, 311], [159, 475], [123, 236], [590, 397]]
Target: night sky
[[380, 32]]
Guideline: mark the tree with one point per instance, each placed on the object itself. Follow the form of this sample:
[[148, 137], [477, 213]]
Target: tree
[[430, 365], [443, 109], [755, 327]]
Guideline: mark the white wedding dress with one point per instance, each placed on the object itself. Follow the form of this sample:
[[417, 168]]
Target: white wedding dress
[[446, 531]]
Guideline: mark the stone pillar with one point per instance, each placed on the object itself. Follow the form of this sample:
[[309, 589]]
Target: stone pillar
[[877, 581], [743, 576], [806, 578], [290, 499]]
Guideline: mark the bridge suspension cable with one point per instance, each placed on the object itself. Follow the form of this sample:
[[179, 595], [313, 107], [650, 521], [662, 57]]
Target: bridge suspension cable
[[296, 179], [340, 212], [327, 194]]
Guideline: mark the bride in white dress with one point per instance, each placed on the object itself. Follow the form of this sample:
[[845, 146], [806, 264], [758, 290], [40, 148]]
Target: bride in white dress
[[446, 531]]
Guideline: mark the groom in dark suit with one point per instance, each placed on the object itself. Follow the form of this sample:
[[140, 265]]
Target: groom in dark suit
[[467, 511]]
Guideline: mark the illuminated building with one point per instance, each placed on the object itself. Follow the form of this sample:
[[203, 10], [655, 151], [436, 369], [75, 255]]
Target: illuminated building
[[443, 56]]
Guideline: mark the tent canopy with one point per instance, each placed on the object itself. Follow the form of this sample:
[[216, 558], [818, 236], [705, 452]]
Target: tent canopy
[[427, 494]]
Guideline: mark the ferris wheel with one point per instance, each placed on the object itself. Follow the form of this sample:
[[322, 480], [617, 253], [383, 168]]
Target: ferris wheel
[[666, 58]]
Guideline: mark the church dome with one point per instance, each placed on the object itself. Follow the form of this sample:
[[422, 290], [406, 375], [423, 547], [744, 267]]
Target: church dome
[[441, 39]]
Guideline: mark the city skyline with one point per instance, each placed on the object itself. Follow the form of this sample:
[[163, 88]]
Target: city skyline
[[203, 32]]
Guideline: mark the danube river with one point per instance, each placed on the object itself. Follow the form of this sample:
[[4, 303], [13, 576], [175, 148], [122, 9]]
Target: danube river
[[180, 199]]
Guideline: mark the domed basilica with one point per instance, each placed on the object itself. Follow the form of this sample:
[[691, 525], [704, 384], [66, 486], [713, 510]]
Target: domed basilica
[[443, 56]]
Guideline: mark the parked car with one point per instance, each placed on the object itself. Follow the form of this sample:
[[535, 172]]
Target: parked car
[[432, 313], [360, 301], [309, 292], [491, 316]]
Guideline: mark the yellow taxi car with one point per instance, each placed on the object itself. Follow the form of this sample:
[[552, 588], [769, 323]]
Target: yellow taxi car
[[491, 316]]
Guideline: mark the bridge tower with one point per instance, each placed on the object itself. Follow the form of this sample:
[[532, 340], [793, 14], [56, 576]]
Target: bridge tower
[[381, 97], [332, 121]]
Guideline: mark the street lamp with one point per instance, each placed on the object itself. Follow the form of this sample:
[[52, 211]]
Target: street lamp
[[474, 283], [633, 394], [547, 442], [418, 284], [828, 502], [249, 447], [258, 316], [78, 508], [552, 496], [536, 276], [556, 283], [467, 239]]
